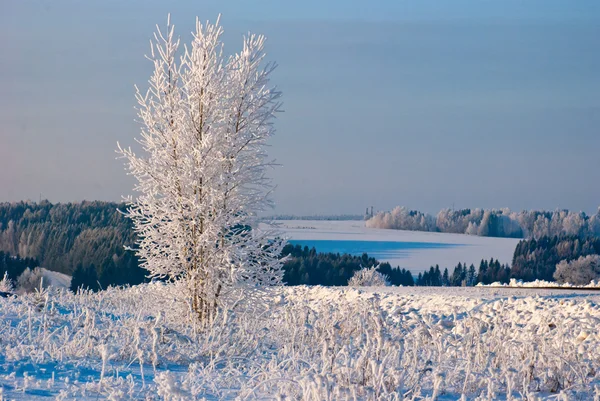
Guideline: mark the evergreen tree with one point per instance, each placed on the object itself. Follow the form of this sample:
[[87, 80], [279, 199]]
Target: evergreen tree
[[457, 276], [437, 280], [85, 278], [78, 278], [471, 276]]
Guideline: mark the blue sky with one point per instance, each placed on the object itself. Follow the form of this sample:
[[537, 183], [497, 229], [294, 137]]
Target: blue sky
[[423, 103]]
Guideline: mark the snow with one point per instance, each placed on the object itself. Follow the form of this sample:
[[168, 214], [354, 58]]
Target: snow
[[303, 343], [472, 249], [56, 279], [514, 283]]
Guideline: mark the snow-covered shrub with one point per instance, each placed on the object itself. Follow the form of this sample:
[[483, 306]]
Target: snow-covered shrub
[[6, 284], [580, 271], [368, 277], [30, 280]]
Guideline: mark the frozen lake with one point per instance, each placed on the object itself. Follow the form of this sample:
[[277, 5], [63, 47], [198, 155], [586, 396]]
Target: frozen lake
[[414, 250], [382, 250]]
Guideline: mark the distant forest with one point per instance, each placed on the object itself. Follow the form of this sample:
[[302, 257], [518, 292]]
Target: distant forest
[[63, 237], [491, 223], [537, 259], [306, 266], [87, 241]]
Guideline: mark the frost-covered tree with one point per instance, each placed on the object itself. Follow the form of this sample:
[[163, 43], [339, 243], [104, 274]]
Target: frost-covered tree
[[31, 280], [403, 219], [541, 227], [492, 222], [202, 180], [594, 224], [579, 271], [368, 277]]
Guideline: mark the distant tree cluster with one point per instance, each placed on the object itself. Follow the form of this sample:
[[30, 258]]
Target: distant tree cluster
[[579, 271], [493, 272], [491, 223], [537, 259], [396, 275], [462, 276], [125, 271], [306, 266], [86, 240], [14, 266], [432, 278], [63, 236]]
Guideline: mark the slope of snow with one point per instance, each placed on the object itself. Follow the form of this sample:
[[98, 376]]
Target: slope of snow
[[303, 343], [56, 279], [469, 249]]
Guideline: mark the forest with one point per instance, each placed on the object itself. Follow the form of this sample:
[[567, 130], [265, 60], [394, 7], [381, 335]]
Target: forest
[[65, 237], [306, 266], [87, 240], [491, 223], [537, 259]]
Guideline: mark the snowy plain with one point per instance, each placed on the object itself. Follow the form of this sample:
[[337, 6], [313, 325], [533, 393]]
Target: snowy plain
[[466, 248], [303, 343]]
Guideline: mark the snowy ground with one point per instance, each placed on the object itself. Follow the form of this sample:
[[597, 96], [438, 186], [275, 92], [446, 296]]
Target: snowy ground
[[304, 343], [56, 279], [472, 249]]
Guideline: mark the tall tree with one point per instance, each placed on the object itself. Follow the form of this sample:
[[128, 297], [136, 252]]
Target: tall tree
[[205, 124], [471, 276]]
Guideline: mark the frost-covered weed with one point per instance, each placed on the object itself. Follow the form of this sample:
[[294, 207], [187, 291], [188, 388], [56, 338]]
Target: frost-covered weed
[[6, 284], [30, 280], [300, 343]]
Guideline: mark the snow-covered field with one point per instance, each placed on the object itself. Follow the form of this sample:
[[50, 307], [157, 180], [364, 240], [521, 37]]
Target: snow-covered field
[[303, 343], [469, 249]]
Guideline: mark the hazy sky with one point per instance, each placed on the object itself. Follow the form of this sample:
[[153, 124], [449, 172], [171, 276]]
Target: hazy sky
[[418, 103]]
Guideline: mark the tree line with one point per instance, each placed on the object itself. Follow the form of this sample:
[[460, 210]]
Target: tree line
[[492, 223], [86, 240], [14, 266], [65, 237], [462, 276], [306, 266], [537, 259]]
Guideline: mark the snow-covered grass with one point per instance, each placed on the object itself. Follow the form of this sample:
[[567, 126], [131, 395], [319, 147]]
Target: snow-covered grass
[[540, 284], [302, 343], [470, 249]]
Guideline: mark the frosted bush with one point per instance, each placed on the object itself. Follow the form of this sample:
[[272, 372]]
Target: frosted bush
[[578, 272], [30, 280], [368, 277]]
